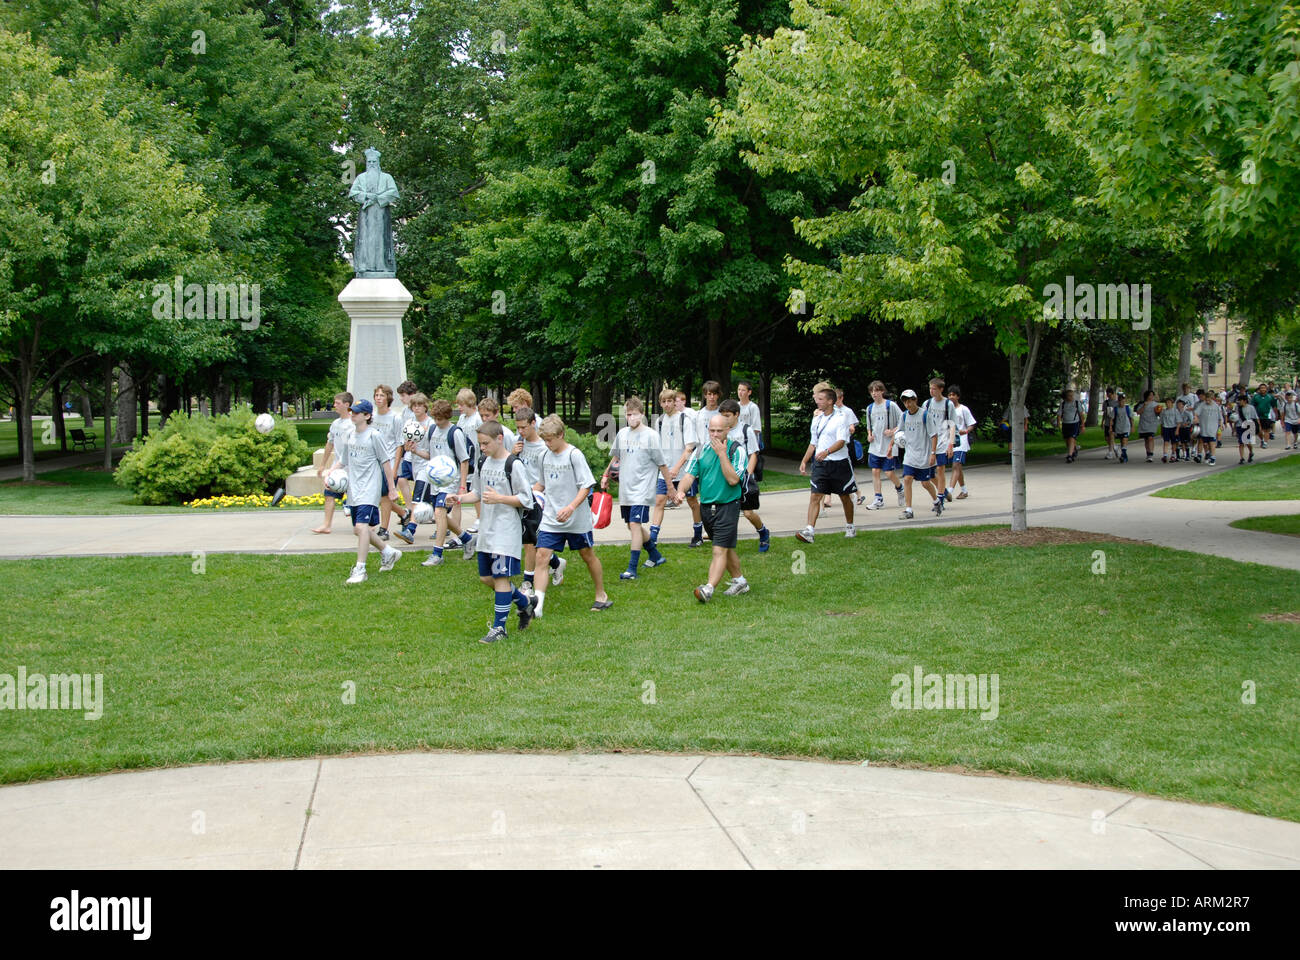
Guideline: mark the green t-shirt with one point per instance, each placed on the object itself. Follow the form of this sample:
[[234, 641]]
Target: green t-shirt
[[1263, 403], [713, 483]]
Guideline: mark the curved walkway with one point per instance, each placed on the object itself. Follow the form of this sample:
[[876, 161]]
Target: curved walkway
[[449, 810], [1092, 494]]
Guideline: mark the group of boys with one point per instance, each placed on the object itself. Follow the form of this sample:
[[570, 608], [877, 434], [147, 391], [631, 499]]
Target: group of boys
[[1190, 425], [929, 438], [533, 490]]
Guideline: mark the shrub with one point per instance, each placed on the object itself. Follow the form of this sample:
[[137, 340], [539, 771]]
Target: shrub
[[196, 457]]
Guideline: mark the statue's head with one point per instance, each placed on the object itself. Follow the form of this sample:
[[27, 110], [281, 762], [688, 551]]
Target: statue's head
[[372, 155]]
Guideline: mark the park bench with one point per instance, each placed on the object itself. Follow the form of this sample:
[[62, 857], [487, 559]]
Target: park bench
[[82, 439]]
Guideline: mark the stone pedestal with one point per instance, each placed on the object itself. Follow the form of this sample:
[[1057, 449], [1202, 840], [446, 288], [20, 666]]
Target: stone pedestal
[[376, 353]]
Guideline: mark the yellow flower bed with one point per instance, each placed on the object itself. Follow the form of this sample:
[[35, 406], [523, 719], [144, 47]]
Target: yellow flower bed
[[264, 500]]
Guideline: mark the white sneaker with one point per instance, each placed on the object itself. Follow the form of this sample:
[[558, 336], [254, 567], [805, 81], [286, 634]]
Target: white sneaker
[[527, 590], [434, 560], [557, 574], [849, 531], [805, 535], [358, 573], [1109, 456], [736, 588], [703, 593], [906, 514], [877, 504], [469, 548], [388, 558], [902, 497]]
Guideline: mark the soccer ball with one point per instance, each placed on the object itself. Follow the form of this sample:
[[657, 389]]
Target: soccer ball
[[336, 481], [264, 423], [411, 430], [442, 471], [900, 440], [422, 512]]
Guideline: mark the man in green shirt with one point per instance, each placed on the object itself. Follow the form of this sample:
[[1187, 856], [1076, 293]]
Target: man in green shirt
[[719, 464], [1262, 401]]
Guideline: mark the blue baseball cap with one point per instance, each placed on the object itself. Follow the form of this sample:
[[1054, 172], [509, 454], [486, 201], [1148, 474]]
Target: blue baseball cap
[[363, 406]]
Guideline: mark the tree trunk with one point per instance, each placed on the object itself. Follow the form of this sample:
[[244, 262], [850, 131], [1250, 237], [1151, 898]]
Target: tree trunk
[[602, 392], [579, 393], [1185, 356], [142, 385], [87, 411], [108, 414], [1247, 361], [125, 406], [23, 416], [60, 429], [765, 402], [687, 384], [221, 397], [548, 387], [1022, 368], [171, 400], [720, 355], [1094, 393], [276, 407]]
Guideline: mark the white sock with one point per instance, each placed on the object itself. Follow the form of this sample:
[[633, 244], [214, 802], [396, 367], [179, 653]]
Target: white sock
[[963, 488], [541, 600]]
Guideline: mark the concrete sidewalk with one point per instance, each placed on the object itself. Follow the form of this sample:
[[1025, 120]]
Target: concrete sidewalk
[[449, 810], [1092, 494]]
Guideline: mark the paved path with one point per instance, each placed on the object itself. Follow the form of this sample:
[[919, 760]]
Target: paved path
[[1091, 494], [448, 810]]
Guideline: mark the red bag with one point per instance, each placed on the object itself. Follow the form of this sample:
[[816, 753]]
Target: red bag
[[602, 508]]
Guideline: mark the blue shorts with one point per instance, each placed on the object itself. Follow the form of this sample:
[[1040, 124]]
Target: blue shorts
[[918, 473], [959, 456], [337, 496], [661, 488], [1168, 434], [366, 513], [882, 463], [942, 460], [556, 542], [404, 471], [637, 514], [497, 565], [383, 485], [1290, 427], [1069, 430]]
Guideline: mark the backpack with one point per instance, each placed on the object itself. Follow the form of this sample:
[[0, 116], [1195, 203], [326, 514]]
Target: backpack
[[531, 518], [450, 438]]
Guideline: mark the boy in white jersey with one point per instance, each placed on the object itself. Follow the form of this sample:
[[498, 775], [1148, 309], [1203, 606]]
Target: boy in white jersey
[[748, 441], [415, 458], [341, 431], [918, 453], [939, 413], [370, 466], [831, 473], [1247, 428], [1291, 420], [1169, 431], [447, 439], [490, 411], [964, 422], [385, 424], [636, 451], [671, 427], [469, 421], [1183, 422], [1122, 424], [712, 391], [883, 419], [566, 516], [406, 391], [504, 495], [1069, 418], [1210, 416], [534, 448], [749, 412]]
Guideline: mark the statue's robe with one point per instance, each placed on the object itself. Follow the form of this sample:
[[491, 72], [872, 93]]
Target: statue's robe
[[372, 252]]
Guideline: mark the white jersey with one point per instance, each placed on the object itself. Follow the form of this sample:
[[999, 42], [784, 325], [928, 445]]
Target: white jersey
[[671, 428], [639, 460], [916, 438], [825, 430], [965, 420], [882, 416], [341, 431], [563, 475], [365, 456], [534, 450], [750, 414], [500, 526], [419, 457], [847, 413], [702, 418], [385, 424], [745, 438]]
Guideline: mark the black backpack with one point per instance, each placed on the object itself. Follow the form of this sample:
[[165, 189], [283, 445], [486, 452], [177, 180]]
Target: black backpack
[[531, 519]]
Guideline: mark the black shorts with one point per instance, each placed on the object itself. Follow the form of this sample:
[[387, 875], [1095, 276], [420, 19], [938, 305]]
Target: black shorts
[[1184, 434], [720, 522], [1069, 430], [1147, 436], [1167, 434], [833, 476]]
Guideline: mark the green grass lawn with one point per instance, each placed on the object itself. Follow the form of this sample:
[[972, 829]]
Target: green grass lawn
[[1288, 523], [82, 491], [1125, 683], [1276, 480]]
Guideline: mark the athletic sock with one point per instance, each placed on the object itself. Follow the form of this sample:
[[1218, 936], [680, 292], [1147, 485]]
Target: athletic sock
[[528, 576], [653, 551], [634, 562], [541, 600], [764, 532], [897, 488], [654, 533], [520, 598], [465, 537], [437, 551], [501, 610], [698, 530], [963, 488], [555, 561]]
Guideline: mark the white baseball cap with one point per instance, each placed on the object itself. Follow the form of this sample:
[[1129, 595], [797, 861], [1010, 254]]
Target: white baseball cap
[[908, 393]]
